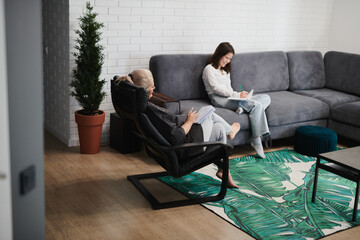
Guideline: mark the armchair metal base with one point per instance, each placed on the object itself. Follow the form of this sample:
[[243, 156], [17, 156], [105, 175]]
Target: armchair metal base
[[135, 179]]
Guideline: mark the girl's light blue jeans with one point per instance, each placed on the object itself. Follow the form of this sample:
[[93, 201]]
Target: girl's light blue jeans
[[256, 107]]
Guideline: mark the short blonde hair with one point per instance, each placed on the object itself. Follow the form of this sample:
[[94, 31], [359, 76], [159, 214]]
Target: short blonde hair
[[139, 77]]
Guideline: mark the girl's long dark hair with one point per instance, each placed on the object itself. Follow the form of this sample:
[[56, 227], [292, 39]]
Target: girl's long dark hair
[[221, 50]]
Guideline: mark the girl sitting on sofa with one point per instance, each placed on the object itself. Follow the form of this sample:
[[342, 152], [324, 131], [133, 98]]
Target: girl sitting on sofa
[[216, 77], [213, 128]]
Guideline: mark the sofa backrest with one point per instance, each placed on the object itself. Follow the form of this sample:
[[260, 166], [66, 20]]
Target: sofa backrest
[[306, 70], [179, 75], [342, 71], [261, 71]]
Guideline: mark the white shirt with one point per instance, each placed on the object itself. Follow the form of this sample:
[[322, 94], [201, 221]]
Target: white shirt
[[217, 82]]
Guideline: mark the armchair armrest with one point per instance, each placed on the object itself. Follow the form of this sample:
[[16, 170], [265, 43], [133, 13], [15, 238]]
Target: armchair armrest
[[226, 146]]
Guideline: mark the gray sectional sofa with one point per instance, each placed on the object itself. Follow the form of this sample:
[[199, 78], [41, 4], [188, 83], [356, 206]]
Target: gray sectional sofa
[[305, 88]]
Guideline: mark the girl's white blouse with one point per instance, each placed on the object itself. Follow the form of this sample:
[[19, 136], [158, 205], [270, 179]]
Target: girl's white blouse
[[218, 83]]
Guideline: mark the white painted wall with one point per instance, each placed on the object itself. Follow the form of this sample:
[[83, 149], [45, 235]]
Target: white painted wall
[[345, 30], [135, 30], [5, 175]]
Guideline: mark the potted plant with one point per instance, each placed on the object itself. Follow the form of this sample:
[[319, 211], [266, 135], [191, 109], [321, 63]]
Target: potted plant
[[87, 85]]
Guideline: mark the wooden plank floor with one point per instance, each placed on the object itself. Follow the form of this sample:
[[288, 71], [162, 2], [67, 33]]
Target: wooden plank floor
[[89, 197]]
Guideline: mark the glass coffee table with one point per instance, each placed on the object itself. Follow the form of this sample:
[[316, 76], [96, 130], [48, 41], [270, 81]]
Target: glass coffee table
[[345, 163]]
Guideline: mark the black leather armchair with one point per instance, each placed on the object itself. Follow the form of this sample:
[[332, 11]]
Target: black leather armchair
[[130, 101]]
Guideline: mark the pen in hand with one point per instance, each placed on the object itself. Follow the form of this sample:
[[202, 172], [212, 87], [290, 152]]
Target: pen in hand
[[243, 93], [241, 87]]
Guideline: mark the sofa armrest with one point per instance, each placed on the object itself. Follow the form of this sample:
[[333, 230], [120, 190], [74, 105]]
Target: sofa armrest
[[167, 102]]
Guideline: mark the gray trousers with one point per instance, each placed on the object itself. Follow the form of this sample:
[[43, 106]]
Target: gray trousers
[[215, 128], [256, 107]]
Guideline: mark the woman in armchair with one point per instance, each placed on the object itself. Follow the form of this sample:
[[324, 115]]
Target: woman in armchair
[[175, 131]]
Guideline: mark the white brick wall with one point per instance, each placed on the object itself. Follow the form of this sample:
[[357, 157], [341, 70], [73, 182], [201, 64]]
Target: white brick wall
[[345, 39], [56, 67], [136, 30]]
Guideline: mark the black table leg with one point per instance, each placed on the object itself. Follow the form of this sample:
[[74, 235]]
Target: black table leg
[[356, 201], [315, 179]]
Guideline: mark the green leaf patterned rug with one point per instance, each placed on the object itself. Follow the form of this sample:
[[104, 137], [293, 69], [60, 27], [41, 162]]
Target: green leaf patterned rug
[[274, 198]]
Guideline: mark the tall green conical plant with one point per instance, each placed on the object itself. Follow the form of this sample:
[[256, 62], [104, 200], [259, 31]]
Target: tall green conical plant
[[87, 87]]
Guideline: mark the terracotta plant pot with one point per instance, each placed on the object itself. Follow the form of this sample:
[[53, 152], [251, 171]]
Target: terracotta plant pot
[[90, 129]]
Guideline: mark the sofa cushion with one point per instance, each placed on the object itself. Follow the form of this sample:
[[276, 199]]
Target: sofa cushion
[[347, 113], [179, 75], [306, 70], [329, 96], [287, 108], [261, 71], [342, 72]]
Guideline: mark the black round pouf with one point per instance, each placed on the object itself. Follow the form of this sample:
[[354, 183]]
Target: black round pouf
[[313, 140]]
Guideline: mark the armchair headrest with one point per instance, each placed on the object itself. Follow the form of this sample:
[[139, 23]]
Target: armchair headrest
[[128, 97]]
